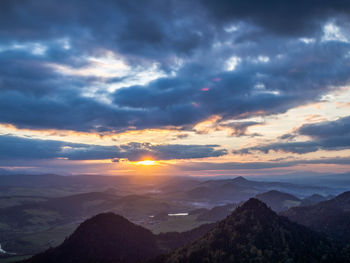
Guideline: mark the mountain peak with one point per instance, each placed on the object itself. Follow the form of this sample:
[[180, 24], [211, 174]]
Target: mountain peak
[[256, 206], [107, 218], [239, 179], [252, 212], [105, 224], [254, 203], [103, 238], [253, 232]]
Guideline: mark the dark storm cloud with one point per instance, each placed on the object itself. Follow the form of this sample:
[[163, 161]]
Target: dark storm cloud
[[293, 147], [34, 95], [67, 111], [143, 28], [155, 26], [337, 128], [18, 148], [329, 135], [293, 18], [253, 89], [30, 74], [194, 94]]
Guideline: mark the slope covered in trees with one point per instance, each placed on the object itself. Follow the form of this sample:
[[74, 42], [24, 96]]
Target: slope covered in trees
[[331, 217], [254, 233]]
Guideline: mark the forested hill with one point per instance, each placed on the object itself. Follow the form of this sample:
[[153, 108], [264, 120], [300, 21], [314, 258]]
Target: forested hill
[[254, 233]]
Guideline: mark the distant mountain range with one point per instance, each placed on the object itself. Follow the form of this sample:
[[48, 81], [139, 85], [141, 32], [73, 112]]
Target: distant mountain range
[[280, 201], [235, 190], [240, 189], [252, 233]]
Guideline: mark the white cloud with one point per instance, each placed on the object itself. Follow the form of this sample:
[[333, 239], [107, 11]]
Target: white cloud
[[307, 40], [333, 33], [232, 63], [34, 48], [231, 28]]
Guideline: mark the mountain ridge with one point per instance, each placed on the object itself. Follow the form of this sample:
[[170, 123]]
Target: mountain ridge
[[331, 217], [255, 233], [251, 233]]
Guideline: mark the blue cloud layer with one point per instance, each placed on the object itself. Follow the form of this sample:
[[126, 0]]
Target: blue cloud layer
[[191, 43], [18, 148], [328, 135]]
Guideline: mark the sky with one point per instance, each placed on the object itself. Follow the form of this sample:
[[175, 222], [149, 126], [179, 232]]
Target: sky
[[198, 87]]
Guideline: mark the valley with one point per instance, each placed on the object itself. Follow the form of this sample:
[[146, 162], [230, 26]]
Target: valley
[[33, 221]]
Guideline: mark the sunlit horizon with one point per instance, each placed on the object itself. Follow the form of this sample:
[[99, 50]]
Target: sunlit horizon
[[196, 93], [146, 162]]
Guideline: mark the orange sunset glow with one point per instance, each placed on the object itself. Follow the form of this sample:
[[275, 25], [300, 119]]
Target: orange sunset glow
[[207, 96], [146, 162]]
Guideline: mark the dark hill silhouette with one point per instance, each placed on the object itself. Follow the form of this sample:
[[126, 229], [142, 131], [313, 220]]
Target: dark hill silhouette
[[254, 233], [331, 217], [103, 238], [111, 238]]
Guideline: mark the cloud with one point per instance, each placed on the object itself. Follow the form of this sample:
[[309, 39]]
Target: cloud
[[288, 136], [146, 29], [190, 45], [327, 129], [18, 148], [253, 89], [288, 18], [328, 135], [259, 165], [240, 128]]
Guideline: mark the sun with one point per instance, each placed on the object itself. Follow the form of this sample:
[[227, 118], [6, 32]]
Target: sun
[[146, 162]]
